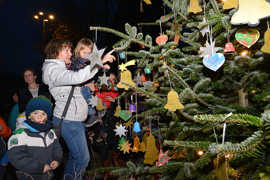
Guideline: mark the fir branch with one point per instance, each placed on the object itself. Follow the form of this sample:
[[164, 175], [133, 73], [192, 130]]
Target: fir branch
[[186, 144]]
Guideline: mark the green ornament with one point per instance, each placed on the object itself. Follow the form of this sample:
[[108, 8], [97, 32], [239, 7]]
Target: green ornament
[[125, 115], [121, 141], [147, 70]]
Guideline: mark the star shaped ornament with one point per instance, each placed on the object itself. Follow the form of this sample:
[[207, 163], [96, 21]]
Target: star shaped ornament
[[205, 29], [95, 57], [93, 101], [120, 130], [125, 147], [104, 79], [209, 49]]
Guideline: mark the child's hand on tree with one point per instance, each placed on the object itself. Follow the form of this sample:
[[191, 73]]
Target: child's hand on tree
[[54, 164], [108, 57], [46, 168]]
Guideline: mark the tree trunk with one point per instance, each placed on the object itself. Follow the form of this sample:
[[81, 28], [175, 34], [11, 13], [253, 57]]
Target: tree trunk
[[243, 98]]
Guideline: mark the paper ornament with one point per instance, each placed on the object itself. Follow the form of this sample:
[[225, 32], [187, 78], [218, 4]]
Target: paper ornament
[[117, 111], [151, 153], [229, 48], [121, 142], [266, 46], [162, 39], [122, 67], [126, 80], [147, 1], [122, 55], [120, 130], [136, 144], [142, 147], [194, 6], [147, 70], [104, 79], [128, 124], [209, 49], [125, 115], [173, 102], [94, 101], [247, 37], [136, 127], [125, 147], [143, 78], [148, 84], [214, 62], [229, 4], [99, 106], [176, 38], [132, 108], [163, 158], [95, 57], [250, 12], [204, 29]]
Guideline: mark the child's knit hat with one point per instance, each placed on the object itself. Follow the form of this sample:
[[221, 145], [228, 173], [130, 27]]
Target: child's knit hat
[[39, 103]]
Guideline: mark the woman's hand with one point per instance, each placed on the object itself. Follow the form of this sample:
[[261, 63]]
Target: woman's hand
[[54, 164]]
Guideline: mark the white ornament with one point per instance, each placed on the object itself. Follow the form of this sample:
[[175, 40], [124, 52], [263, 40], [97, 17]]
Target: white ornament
[[104, 79], [93, 101], [95, 57], [120, 130]]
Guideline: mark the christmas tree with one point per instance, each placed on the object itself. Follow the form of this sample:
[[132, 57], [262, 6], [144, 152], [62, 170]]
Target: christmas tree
[[198, 76]]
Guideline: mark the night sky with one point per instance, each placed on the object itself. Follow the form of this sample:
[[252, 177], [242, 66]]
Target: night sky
[[21, 36]]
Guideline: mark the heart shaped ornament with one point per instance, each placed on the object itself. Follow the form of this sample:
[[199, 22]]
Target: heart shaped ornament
[[214, 62], [247, 37], [125, 115]]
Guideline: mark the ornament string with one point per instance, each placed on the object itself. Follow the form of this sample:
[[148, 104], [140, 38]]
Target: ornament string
[[224, 127]]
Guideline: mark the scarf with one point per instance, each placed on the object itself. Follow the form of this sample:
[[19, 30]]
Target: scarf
[[40, 127]]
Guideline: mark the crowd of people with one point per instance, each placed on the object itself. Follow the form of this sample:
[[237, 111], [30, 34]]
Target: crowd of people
[[61, 104]]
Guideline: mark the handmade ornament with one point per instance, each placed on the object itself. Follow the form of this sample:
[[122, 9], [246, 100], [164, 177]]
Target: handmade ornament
[[163, 158], [173, 102], [125, 147], [136, 127], [147, 1], [95, 57], [147, 70], [176, 38], [247, 37], [136, 144], [250, 12], [94, 101], [162, 39], [122, 67], [229, 4], [126, 80], [229, 48], [121, 142], [151, 153], [117, 111], [132, 108], [266, 46], [142, 147], [122, 55], [156, 83], [148, 84], [194, 6], [209, 49], [128, 124], [120, 130], [214, 62], [205, 29], [125, 115], [104, 79], [143, 78], [99, 106]]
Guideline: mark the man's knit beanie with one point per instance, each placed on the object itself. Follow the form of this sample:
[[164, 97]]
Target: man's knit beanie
[[39, 103]]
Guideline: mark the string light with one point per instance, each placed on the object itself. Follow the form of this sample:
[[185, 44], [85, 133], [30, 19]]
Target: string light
[[200, 152], [244, 53]]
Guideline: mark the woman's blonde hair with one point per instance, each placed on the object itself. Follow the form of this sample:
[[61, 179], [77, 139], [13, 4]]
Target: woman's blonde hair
[[84, 42]]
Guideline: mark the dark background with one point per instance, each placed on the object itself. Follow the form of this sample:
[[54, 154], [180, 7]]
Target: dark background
[[21, 42]]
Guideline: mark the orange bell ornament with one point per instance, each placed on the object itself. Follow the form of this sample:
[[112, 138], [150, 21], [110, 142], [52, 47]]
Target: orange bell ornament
[[136, 144], [229, 48], [173, 102], [125, 78], [194, 6]]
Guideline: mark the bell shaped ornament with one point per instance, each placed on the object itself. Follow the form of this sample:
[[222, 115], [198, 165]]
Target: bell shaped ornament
[[99, 106], [117, 111], [229, 4], [194, 6], [125, 80], [136, 144], [266, 46], [136, 127], [132, 108], [229, 48], [173, 102]]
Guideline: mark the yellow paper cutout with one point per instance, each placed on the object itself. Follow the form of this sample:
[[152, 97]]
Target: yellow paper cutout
[[136, 144], [122, 67], [151, 154], [194, 6], [99, 106], [250, 12], [126, 78], [147, 1], [173, 102], [142, 147], [117, 111], [128, 124], [266, 46], [229, 4], [125, 147]]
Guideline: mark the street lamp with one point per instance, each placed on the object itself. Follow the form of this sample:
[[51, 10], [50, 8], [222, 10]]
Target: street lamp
[[44, 18]]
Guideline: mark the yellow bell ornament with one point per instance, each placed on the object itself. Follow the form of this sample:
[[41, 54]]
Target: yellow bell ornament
[[99, 106], [229, 4], [266, 46], [194, 6], [126, 78], [117, 111], [151, 153], [173, 102]]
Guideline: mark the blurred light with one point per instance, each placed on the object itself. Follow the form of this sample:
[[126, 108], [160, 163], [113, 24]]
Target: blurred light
[[228, 156], [36, 17], [46, 20], [51, 16], [253, 91], [200, 152], [41, 13], [244, 53]]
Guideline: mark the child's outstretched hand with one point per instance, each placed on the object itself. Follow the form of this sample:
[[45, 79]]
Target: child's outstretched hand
[[54, 164], [46, 168], [108, 57]]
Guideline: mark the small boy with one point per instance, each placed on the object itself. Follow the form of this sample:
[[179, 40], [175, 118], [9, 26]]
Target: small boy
[[34, 150]]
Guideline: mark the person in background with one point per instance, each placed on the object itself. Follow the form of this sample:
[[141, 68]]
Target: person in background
[[14, 113], [60, 81], [35, 150]]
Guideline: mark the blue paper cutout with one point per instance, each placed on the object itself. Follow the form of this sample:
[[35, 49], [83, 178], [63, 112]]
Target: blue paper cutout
[[214, 62]]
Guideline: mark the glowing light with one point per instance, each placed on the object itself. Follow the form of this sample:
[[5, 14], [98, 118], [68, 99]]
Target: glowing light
[[200, 152], [36, 17], [51, 16], [41, 13], [45, 20], [244, 53]]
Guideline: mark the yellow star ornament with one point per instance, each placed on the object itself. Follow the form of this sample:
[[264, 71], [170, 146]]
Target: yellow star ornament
[[125, 147]]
